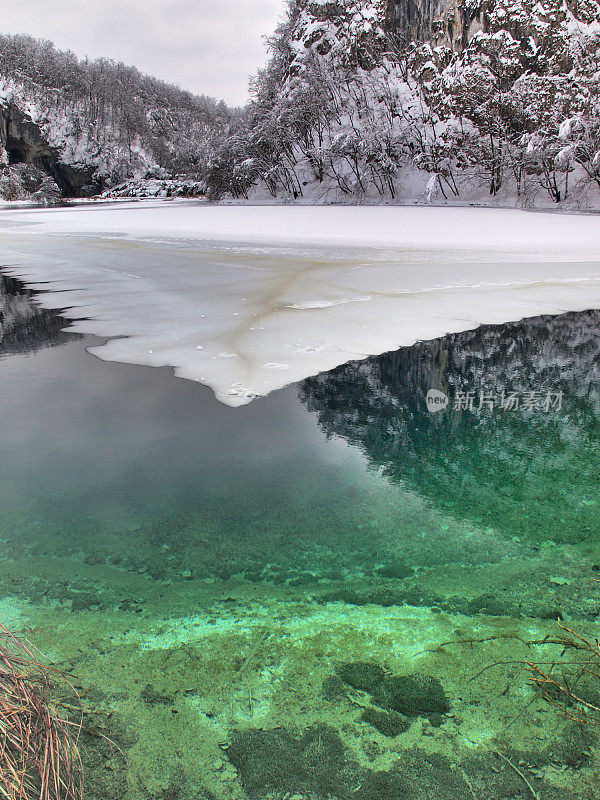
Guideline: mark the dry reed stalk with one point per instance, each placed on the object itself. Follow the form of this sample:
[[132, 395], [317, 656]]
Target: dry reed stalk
[[563, 690], [39, 757]]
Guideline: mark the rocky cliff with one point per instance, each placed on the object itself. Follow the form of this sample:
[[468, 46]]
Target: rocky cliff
[[413, 20], [33, 166]]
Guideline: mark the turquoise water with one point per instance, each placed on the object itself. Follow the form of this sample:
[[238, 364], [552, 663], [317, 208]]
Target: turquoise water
[[240, 588]]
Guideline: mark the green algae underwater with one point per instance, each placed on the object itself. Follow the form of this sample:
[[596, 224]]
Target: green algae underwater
[[332, 593]]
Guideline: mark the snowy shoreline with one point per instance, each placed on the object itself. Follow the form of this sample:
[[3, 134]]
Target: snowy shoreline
[[277, 223], [566, 208]]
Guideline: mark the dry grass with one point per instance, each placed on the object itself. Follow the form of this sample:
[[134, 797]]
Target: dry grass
[[39, 758]]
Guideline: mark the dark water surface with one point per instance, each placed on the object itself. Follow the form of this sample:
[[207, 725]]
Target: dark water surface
[[245, 591]]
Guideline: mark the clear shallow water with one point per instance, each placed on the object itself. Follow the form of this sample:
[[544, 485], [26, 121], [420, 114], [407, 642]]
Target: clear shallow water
[[207, 572]]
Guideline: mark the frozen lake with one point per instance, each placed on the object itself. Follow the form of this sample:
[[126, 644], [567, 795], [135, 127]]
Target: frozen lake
[[328, 591], [250, 299]]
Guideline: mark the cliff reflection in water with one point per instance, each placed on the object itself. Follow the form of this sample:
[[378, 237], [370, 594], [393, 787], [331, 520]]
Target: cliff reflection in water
[[527, 473], [24, 326]]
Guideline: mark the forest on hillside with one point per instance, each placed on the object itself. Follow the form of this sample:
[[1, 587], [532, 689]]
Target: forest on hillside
[[465, 101], [109, 116], [500, 101]]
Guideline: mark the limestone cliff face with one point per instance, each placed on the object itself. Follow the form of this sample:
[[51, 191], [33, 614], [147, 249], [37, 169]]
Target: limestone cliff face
[[24, 144], [349, 32], [413, 20], [450, 22]]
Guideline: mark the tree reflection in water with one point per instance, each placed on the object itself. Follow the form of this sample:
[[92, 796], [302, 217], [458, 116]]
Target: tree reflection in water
[[526, 473]]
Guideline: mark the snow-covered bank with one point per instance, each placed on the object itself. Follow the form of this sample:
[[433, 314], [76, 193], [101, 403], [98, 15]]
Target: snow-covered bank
[[468, 233], [249, 299]]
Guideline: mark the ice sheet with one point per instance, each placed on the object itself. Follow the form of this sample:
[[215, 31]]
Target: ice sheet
[[249, 299]]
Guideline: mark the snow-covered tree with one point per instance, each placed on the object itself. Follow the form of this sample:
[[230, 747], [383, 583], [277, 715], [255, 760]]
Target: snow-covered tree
[[502, 98], [109, 116]]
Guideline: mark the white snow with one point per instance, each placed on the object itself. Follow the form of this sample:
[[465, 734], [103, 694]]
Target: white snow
[[249, 299]]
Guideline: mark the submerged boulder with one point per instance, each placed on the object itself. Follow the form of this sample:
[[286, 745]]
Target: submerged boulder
[[276, 761], [411, 695], [362, 675], [397, 569], [333, 688], [389, 723]]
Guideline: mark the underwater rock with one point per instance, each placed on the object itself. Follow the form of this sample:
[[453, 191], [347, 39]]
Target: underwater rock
[[333, 688], [389, 723], [92, 559], [527, 605], [153, 698], [412, 695], [560, 581], [491, 605], [397, 569], [436, 720], [573, 748], [271, 761], [363, 675], [385, 595], [268, 761], [304, 579], [276, 763], [387, 785], [85, 601]]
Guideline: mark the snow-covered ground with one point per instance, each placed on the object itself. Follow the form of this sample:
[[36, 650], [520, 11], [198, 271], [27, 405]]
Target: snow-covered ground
[[249, 299]]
